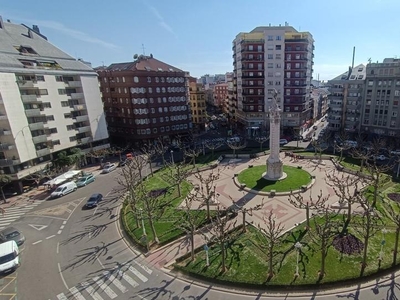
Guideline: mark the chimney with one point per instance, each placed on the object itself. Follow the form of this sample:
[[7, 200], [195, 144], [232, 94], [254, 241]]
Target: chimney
[[30, 33], [36, 28], [1, 23]]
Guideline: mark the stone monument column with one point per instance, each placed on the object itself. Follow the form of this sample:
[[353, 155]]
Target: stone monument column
[[274, 163]]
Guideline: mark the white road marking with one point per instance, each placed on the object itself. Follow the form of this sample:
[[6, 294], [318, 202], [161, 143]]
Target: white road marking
[[92, 292], [128, 279], [62, 227], [62, 277], [58, 247], [146, 268], [65, 222], [73, 211], [61, 297], [138, 274], [95, 210], [37, 242], [49, 237], [59, 232], [110, 293], [76, 293], [115, 281], [38, 227]]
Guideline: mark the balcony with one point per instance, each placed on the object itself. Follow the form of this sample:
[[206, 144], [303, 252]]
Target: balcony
[[29, 98], [80, 107], [8, 162], [83, 129], [86, 140], [5, 132], [35, 112], [39, 139], [36, 126], [76, 96], [74, 84], [5, 147], [26, 83], [82, 118], [43, 152]]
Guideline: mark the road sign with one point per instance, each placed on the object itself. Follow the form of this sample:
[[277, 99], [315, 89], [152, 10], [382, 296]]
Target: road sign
[[205, 247], [38, 227]]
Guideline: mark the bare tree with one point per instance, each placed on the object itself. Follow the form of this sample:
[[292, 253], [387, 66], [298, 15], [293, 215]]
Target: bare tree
[[320, 146], [149, 153], [342, 145], [298, 201], [221, 233], [236, 144], [366, 226], [160, 148], [323, 233], [193, 153], [393, 209], [207, 186], [138, 163], [213, 145], [178, 173], [261, 140], [240, 206], [345, 186], [191, 218], [272, 231]]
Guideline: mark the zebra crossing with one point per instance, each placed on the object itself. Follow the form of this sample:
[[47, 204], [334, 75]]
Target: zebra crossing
[[11, 214], [109, 284]]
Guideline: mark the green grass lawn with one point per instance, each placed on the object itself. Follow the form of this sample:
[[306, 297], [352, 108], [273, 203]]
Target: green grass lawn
[[247, 260], [253, 179]]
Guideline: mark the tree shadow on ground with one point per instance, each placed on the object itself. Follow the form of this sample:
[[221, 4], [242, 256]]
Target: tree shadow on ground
[[90, 231]]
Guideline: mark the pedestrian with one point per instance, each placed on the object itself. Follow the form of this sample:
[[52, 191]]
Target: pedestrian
[[37, 183]]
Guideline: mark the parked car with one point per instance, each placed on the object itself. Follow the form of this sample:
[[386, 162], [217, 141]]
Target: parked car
[[94, 200], [9, 257], [283, 142], [109, 168], [12, 234], [395, 152], [381, 157], [64, 189], [85, 180]]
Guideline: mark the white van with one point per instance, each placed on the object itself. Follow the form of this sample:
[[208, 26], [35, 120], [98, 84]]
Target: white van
[[64, 189], [9, 256]]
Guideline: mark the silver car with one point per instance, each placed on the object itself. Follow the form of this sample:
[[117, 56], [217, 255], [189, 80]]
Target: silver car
[[109, 168], [12, 234]]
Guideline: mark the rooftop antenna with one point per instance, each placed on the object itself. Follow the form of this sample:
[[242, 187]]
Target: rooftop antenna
[[354, 53], [144, 53], [369, 60]]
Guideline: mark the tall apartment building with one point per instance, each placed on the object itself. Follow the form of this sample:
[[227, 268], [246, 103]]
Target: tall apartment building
[[381, 110], [145, 100], [346, 100], [273, 57], [197, 104], [220, 91], [49, 102]]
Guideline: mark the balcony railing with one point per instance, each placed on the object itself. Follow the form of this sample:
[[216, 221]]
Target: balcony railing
[[29, 98], [74, 84], [36, 126], [6, 147], [83, 129], [82, 118], [5, 132], [39, 139], [8, 162], [35, 112], [76, 96], [43, 152], [86, 140], [79, 107], [26, 83]]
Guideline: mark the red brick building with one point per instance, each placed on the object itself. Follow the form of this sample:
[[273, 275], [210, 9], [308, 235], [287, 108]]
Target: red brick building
[[145, 100], [220, 95]]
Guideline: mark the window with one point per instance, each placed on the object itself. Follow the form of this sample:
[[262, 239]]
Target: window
[[62, 92], [259, 48], [278, 56], [270, 38], [72, 138], [149, 79], [278, 47], [270, 65], [136, 79], [64, 104], [270, 47], [68, 115], [251, 47], [50, 118], [270, 56], [70, 127], [278, 38]]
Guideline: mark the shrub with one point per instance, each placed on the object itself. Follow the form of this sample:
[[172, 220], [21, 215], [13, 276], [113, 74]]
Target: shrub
[[347, 244]]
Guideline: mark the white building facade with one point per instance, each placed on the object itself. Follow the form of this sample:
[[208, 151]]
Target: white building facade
[[49, 102]]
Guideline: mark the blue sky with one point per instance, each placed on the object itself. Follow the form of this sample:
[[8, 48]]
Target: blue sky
[[196, 36]]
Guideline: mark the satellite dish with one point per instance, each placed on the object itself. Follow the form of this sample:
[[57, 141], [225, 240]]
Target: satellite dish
[[135, 56]]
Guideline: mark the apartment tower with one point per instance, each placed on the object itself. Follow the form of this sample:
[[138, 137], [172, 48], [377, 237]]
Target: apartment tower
[[268, 58]]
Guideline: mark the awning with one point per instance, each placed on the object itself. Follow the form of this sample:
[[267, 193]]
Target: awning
[[62, 178]]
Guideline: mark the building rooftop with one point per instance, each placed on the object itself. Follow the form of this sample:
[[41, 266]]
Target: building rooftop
[[24, 48], [142, 63], [357, 73]]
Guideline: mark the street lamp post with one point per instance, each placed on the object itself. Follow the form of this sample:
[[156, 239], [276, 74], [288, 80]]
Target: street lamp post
[[298, 246], [141, 217], [383, 242], [172, 157]]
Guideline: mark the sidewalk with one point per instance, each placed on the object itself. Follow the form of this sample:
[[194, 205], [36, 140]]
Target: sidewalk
[[40, 193]]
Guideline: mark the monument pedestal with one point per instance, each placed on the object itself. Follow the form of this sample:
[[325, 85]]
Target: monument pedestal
[[274, 170]]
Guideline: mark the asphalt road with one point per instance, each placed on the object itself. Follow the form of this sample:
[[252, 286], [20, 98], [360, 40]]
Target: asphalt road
[[73, 253]]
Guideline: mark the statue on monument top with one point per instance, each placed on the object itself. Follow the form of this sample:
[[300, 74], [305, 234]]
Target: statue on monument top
[[274, 109]]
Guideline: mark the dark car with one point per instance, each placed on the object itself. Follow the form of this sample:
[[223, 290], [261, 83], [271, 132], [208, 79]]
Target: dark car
[[94, 200], [12, 234]]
